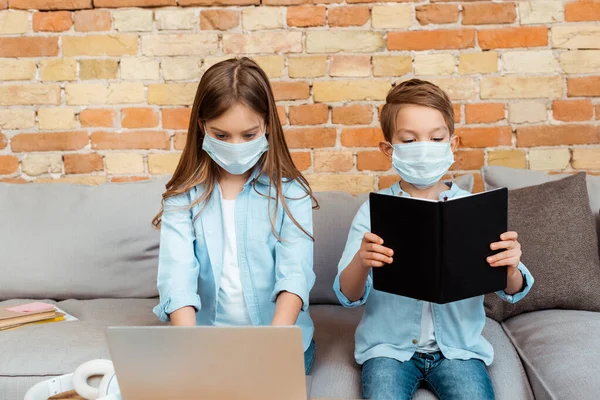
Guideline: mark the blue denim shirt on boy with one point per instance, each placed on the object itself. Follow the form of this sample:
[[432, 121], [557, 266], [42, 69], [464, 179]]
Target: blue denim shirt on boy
[[191, 253], [391, 324]]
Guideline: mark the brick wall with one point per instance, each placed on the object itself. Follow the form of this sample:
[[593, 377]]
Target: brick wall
[[99, 90]]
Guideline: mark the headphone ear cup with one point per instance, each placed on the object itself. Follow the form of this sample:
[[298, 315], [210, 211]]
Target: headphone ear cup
[[85, 371], [108, 385]]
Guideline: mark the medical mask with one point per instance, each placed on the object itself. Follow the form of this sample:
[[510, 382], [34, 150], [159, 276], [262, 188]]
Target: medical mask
[[422, 164], [235, 158]]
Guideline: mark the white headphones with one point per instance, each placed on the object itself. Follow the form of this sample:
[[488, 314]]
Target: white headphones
[[78, 381]]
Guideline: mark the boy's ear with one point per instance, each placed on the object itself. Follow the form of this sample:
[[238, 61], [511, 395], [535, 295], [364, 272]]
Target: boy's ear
[[387, 149], [454, 142]]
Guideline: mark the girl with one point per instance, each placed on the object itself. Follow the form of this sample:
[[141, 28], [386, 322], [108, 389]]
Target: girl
[[236, 245]]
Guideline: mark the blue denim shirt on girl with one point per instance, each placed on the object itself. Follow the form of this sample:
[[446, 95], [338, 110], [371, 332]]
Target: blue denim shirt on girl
[[191, 253], [391, 324]]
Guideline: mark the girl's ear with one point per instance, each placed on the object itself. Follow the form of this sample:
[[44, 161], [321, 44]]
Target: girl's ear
[[387, 149], [454, 142]]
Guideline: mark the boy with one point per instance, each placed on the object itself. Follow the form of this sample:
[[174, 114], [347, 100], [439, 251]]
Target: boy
[[402, 342]]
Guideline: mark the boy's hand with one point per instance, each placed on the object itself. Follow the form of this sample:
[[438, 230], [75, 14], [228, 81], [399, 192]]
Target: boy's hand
[[511, 256], [372, 253]]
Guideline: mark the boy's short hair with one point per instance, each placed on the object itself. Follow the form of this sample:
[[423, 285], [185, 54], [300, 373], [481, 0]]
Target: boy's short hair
[[418, 92]]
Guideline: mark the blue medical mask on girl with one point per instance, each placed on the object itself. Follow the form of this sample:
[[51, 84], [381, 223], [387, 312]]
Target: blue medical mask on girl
[[236, 158], [422, 164]]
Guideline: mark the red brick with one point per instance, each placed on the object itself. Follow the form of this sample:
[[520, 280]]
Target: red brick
[[485, 137], [179, 140], [133, 3], [308, 138], [221, 20], [597, 111], [18, 180], [290, 90], [281, 114], [555, 135], [122, 179], [50, 4], [588, 86], [176, 118], [524, 36], [304, 16], [3, 141], [468, 159], [387, 180], [489, 13], [97, 118], [431, 40], [92, 20], [378, 1], [356, 114], [58, 21], [131, 140], [29, 46], [572, 110], [437, 14], [8, 165], [456, 108], [301, 160], [583, 10], [49, 141], [361, 137], [3, 4], [484, 113], [372, 161], [348, 16], [83, 163], [309, 114], [139, 118]]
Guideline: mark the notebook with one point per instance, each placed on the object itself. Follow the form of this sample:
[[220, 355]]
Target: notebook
[[440, 247]]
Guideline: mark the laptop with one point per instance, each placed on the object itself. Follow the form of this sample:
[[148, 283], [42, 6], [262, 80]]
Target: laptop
[[216, 363]]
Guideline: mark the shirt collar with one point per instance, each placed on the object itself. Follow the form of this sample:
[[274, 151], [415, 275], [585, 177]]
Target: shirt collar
[[446, 194]]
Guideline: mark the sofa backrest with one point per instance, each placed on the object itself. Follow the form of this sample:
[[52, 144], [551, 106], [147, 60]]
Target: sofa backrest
[[64, 241]]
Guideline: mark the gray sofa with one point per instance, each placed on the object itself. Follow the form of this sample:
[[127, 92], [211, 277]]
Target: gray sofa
[[92, 251]]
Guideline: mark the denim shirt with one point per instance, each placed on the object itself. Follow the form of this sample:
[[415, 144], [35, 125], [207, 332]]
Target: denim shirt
[[391, 324], [191, 253]]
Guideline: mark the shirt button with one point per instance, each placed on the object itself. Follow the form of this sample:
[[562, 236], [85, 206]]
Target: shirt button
[[415, 341]]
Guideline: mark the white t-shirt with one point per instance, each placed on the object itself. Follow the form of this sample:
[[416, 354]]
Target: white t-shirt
[[231, 307], [427, 342]]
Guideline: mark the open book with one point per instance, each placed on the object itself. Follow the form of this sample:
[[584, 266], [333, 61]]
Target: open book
[[440, 247]]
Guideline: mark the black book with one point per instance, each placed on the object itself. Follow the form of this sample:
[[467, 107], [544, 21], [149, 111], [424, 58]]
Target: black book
[[440, 247]]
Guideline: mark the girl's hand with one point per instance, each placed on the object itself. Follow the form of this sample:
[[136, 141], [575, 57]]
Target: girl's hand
[[372, 253], [511, 257]]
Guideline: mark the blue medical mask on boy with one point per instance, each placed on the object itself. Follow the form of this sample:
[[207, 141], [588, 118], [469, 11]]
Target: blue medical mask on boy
[[235, 158], [422, 164]]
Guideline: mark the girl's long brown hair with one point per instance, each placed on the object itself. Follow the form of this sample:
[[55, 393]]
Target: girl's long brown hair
[[222, 86]]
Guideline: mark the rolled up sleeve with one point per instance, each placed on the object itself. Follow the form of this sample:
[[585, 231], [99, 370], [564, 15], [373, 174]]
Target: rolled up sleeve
[[527, 284], [294, 251], [178, 266], [360, 225]]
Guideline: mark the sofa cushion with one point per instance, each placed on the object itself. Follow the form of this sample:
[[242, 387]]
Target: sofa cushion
[[332, 223], [64, 241], [511, 178], [34, 353], [336, 374], [331, 226], [59, 348], [559, 349], [556, 229]]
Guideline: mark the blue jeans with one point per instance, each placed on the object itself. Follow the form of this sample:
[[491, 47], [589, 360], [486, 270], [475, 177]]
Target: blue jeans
[[386, 378], [309, 357]]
